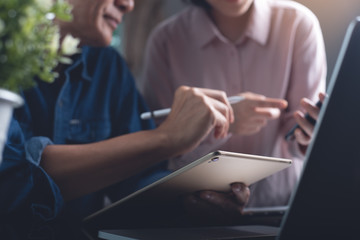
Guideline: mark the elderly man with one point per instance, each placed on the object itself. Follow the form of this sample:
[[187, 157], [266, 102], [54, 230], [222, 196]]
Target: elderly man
[[75, 140]]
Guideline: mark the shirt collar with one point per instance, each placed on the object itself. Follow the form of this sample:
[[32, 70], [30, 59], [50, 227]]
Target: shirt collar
[[259, 24], [81, 61], [203, 27], [258, 28]]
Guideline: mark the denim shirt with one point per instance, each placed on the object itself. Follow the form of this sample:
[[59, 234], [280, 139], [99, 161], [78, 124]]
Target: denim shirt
[[28, 195], [98, 100]]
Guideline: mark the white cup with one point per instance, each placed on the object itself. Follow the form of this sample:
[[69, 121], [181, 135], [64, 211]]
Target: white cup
[[8, 101]]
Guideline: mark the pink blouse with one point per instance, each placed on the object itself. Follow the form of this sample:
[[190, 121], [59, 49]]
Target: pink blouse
[[280, 55]]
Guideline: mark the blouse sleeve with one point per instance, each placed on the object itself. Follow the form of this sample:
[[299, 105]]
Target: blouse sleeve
[[308, 79]]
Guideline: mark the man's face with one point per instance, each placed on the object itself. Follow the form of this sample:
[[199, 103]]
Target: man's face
[[94, 21]]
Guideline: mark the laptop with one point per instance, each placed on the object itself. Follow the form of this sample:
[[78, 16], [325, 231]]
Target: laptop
[[326, 201]]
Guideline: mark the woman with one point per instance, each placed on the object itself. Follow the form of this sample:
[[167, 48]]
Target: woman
[[271, 52]]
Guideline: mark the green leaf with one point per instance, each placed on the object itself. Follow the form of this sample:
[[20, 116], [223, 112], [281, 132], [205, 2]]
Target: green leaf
[[27, 42]]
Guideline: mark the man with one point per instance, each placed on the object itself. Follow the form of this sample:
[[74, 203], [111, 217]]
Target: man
[[76, 139]]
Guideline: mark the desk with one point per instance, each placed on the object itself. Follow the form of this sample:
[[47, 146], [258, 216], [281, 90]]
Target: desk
[[226, 232]]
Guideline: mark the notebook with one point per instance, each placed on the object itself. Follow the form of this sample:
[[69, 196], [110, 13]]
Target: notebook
[[326, 201]]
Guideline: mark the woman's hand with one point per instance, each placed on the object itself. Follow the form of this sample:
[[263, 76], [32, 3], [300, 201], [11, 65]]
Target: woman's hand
[[304, 135], [253, 113]]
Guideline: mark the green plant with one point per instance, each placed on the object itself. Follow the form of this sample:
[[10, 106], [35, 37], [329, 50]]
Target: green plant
[[29, 41]]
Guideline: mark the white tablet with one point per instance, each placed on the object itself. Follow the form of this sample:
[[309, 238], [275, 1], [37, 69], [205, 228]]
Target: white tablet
[[215, 171]]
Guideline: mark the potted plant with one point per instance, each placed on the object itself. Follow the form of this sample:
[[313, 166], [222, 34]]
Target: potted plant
[[29, 47]]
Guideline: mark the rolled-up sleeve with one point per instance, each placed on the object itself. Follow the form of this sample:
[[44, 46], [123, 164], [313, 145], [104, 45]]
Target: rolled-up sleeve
[[24, 185]]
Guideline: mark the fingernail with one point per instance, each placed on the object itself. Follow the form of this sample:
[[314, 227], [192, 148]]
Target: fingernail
[[237, 187]]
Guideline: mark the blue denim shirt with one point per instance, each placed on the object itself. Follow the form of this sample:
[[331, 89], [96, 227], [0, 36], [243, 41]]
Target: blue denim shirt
[[28, 195], [98, 100]]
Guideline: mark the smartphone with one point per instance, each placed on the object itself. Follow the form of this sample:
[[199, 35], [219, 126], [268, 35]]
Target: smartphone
[[290, 134]]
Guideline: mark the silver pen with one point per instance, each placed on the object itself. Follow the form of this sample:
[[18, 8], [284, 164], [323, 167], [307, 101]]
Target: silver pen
[[164, 112]]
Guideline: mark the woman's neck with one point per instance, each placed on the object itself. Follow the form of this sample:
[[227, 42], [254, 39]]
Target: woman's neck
[[231, 27]]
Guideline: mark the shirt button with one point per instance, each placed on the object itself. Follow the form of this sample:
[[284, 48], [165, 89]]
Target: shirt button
[[74, 121], [60, 103]]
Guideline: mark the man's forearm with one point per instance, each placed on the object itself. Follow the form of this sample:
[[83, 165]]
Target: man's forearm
[[82, 169]]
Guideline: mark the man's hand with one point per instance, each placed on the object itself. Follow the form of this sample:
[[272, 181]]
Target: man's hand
[[210, 207], [253, 113], [194, 114]]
